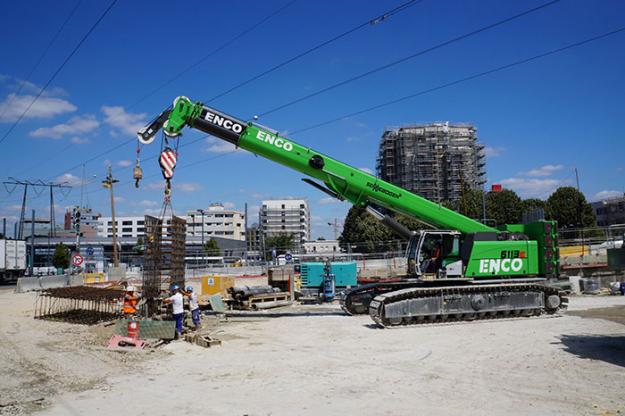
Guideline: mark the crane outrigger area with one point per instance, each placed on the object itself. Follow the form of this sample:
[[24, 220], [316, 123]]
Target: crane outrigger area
[[462, 269]]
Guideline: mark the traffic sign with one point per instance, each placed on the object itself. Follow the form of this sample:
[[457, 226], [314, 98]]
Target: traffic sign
[[288, 257], [77, 260], [89, 251]]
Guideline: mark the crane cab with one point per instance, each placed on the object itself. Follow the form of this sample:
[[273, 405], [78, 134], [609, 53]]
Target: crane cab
[[435, 254]]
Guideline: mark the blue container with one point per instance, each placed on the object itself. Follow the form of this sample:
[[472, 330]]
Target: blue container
[[345, 274], [328, 288]]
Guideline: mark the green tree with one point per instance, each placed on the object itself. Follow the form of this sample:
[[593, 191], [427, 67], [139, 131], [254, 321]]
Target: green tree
[[211, 248], [531, 204], [139, 248], [281, 242], [363, 230], [570, 209], [60, 259], [505, 207], [470, 204]]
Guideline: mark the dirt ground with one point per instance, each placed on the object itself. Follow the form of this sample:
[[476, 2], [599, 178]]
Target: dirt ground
[[323, 362]]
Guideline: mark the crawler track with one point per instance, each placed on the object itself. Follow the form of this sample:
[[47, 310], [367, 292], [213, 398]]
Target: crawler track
[[421, 305]]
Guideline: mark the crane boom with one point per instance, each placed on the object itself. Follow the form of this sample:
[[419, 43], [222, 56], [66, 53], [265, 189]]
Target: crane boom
[[340, 180]]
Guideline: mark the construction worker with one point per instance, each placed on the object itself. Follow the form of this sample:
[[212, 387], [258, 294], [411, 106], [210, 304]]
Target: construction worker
[[194, 307], [177, 305], [130, 302]]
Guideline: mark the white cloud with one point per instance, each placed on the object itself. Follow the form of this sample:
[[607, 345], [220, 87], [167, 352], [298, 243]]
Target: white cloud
[[120, 199], [491, 151], [124, 163], [186, 187], [351, 139], [546, 170], [369, 171], [328, 200], [229, 205], [154, 186], [75, 125], [252, 213], [536, 188], [147, 203], [123, 122], [79, 140], [601, 195], [215, 145], [71, 180], [45, 107], [30, 87]]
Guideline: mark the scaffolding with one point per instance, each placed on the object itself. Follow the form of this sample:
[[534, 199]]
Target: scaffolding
[[435, 160]]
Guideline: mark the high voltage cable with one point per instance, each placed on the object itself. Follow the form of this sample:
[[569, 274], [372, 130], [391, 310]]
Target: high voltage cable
[[373, 21], [177, 76], [211, 53], [76, 48], [409, 57], [461, 80], [43, 54]]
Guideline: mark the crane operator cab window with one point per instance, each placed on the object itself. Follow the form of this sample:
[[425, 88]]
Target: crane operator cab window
[[435, 255]]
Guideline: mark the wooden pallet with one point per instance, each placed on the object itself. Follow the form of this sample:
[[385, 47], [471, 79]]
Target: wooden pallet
[[268, 300]]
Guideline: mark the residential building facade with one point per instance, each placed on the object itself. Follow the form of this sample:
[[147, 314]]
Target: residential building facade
[[285, 216], [610, 211], [217, 221]]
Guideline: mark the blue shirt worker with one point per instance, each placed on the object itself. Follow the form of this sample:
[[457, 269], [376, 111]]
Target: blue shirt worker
[[176, 301], [194, 306]]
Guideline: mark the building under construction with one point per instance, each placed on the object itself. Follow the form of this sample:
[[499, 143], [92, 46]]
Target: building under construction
[[432, 160]]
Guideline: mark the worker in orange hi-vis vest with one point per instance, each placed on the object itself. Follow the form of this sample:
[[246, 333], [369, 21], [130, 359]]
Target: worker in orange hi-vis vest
[[130, 301]]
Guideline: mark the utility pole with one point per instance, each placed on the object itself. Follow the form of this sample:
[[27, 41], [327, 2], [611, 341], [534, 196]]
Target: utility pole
[[201, 211], [32, 244], [108, 183], [580, 216]]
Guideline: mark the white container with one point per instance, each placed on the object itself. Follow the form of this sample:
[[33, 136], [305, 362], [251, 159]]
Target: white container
[[575, 285]]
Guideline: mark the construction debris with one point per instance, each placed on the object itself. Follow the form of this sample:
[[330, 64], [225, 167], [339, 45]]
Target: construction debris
[[80, 304], [117, 342], [203, 340], [258, 297]]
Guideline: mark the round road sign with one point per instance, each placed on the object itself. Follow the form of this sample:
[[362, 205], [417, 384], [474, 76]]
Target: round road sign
[[89, 251], [77, 259]]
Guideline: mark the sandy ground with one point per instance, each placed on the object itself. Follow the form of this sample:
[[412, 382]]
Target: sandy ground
[[325, 364]]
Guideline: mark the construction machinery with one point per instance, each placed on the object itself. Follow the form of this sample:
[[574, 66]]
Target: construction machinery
[[460, 269]]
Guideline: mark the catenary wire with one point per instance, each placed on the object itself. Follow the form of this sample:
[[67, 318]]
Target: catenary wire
[[373, 21], [58, 70], [43, 54], [462, 80], [409, 57]]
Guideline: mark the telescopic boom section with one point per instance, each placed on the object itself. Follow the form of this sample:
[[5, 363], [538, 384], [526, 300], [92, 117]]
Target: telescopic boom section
[[342, 181]]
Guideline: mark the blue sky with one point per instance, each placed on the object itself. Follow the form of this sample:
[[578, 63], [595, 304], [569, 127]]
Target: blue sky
[[539, 121]]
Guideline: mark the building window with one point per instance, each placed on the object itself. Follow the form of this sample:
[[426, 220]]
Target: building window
[[126, 230], [126, 222], [283, 206]]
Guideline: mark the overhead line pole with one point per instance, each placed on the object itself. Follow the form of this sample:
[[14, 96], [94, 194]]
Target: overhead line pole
[[108, 183]]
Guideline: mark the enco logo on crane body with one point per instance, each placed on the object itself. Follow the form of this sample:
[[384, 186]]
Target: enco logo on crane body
[[277, 141], [224, 122], [506, 265], [510, 260]]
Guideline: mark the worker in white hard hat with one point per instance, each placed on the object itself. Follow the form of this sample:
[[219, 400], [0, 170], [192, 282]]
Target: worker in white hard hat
[[194, 307], [130, 301], [176, 301]]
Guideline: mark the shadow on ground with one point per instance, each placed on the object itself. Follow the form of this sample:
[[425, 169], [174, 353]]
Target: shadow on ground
[[608, 348]]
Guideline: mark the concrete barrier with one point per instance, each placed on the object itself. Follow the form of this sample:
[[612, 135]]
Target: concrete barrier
[[26, 284]]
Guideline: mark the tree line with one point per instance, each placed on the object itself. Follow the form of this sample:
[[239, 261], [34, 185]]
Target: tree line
[[566, 205]]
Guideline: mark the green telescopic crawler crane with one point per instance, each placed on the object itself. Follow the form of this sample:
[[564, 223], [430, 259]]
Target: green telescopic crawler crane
[[461, 269]]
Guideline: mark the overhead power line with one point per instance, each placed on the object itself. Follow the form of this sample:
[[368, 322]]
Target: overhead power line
[[177, 76], [409, 57], [213, 52], [54, 75], [373, 21], [465, 79], [43, 54]]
